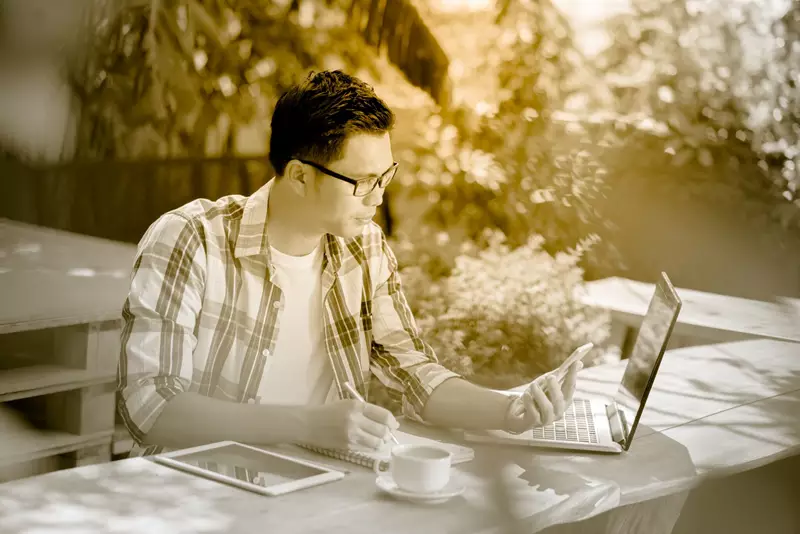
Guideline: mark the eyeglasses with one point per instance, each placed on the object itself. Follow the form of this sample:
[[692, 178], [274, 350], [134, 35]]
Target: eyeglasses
[[361, 188]]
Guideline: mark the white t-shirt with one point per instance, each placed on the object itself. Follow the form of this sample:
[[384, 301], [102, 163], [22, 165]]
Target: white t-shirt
[[298, 372]]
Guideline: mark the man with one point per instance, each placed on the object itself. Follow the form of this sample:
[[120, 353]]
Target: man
[[246, 316]]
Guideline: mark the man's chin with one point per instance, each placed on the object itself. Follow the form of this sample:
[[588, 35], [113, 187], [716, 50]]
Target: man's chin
[[347, 231]]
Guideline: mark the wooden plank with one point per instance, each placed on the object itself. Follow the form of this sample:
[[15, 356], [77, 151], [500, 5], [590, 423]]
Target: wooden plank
[[50, 278], [107, 346], [35, 380], [56, 246], [707, 316], [93, 347], [84, 411], [29, 447], [122, 443], [32, 468], [75, 346], [91, 455], [26, 348]]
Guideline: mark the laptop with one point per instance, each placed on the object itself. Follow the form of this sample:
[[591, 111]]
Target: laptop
[[608, 425]]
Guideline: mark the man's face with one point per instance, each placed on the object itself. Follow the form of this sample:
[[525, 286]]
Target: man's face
[[338, 211]]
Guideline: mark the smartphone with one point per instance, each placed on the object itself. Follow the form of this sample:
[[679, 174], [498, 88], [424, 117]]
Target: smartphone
[[576, 356], [561, 372]]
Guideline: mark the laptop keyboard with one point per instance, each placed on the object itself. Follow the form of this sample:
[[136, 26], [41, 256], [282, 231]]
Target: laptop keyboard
[[577, 425]]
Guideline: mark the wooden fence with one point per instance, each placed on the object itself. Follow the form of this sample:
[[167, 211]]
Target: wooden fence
[[395, 28], [119, 199]]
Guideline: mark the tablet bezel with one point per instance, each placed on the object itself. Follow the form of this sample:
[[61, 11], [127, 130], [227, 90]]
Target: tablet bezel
[[173, 459]]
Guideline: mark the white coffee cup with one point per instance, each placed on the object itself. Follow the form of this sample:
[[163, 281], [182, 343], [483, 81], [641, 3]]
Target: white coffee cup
[[418, 468]]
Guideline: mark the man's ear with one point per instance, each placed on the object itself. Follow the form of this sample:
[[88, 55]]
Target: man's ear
[[298, 176]]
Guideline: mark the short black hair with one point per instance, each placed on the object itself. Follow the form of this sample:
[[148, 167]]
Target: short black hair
[[313, 118]]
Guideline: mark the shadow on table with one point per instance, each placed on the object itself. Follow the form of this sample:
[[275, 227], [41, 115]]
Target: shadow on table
[[138, 495], [508, 489], [580, 486], [132, 499]]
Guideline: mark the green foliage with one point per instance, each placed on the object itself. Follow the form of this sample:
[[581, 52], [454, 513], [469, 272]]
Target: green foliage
[[722, 79], [498, 315], [507, 163], [508, 203], [532, 184], [169, 79]]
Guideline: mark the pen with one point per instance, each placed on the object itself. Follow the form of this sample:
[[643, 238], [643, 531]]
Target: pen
[[355, 394]]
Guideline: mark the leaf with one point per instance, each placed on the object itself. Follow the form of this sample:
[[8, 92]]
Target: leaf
[[206, 24], [705, 158], [788, 214], [683, 157], [174, 35]]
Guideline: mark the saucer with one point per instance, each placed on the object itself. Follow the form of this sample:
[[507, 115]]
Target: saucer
[[453, 489]]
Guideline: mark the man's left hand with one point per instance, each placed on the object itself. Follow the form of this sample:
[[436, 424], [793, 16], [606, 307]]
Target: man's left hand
[[544, 402]]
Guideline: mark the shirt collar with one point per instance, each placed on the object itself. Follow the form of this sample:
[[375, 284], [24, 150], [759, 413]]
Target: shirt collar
[[253, 241]]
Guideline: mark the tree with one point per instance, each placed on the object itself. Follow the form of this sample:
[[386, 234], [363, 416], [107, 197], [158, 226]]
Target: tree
[[721, 78], [186, 77], [505, 163]]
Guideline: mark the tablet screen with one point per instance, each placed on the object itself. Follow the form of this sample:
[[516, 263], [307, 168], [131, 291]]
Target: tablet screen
[[249, 465]]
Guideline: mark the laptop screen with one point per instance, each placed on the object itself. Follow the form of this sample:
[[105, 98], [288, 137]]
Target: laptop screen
[[645, 358]]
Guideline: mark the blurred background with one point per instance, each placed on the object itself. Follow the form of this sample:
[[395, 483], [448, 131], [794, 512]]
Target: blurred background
[[542, 143]]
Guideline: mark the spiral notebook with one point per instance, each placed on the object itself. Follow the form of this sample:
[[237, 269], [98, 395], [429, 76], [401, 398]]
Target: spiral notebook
[[461, 454]]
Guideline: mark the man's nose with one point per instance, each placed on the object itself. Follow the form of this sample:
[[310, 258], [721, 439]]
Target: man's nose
[[375, 198]]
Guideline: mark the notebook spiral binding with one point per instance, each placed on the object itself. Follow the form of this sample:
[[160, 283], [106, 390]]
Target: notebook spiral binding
[[353, 457]]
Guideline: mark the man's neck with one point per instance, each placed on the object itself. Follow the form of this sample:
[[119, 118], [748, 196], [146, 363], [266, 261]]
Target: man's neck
[[287, 222]]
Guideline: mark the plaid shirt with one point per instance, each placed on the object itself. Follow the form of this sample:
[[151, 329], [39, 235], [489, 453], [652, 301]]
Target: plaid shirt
[[202, 314]]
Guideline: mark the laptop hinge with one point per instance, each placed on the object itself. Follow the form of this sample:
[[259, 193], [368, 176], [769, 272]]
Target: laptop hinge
[[617, 422]]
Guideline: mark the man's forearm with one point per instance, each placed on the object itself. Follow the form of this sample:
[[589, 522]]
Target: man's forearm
[[457, 403], [191, 419]]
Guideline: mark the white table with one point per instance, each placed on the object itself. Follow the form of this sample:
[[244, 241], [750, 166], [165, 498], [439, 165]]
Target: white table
[[138, 495], [705, 317], [714, 411]]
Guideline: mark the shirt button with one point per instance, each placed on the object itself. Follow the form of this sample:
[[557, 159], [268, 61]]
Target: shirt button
[[265, 352], [276, 304]]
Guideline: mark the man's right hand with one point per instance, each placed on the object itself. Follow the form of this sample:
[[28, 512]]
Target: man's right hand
[[348, 425]]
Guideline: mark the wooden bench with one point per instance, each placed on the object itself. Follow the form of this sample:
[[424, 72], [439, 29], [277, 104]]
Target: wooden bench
[[704, 318], [60, 321]]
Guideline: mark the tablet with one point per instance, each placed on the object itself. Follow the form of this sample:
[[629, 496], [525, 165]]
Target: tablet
[[249, 468]]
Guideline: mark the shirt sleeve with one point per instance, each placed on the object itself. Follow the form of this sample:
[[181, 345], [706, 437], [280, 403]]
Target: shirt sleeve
[[401, 359], [159, 319]]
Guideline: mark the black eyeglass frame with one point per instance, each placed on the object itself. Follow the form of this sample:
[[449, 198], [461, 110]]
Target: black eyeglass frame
[[382, 179]]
